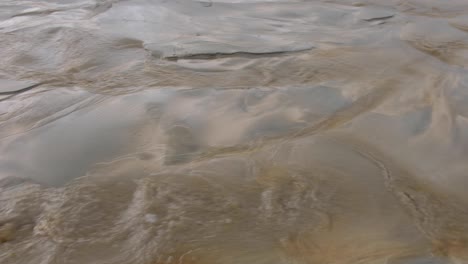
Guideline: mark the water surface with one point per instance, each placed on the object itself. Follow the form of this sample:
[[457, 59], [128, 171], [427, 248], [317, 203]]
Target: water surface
[[233, 131]]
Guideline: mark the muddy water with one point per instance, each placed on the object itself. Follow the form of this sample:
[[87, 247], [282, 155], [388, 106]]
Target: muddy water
[[233, 131]]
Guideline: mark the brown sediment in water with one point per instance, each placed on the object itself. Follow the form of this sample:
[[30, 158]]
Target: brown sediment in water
[[247, 131]]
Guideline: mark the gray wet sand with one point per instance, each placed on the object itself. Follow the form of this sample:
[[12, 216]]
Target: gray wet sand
[[233, 131]]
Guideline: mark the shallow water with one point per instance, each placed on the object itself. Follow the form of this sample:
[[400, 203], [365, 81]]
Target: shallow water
[[233, 131]]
